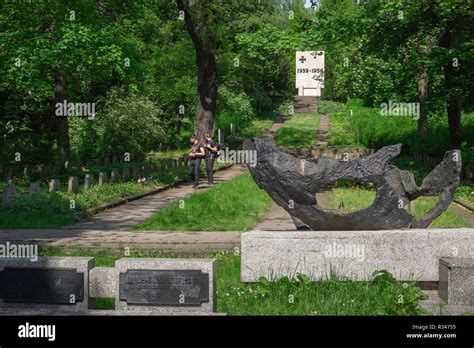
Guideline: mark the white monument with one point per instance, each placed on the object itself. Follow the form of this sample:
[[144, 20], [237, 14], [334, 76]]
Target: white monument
[[309, 73]]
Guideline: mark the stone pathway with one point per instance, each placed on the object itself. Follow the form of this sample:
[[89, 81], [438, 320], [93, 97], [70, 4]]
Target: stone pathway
[[323, 131], [464, 213], [132, 213], [277, 219], [116, 241]]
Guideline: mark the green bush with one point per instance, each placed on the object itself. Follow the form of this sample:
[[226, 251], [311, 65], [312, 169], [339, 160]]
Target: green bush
[[328, 106], [125, 123], [234, 106]]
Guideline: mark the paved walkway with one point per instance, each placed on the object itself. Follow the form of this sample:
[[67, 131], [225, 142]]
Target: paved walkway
[[323, 131], [164, 241], [277, 219], [132, 213]]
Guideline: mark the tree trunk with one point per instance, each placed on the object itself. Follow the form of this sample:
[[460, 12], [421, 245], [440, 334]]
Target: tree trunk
[[422, 98], [2, 159], [61, 121], [454, 121], [451, 86], [207, 93], [196, 17]]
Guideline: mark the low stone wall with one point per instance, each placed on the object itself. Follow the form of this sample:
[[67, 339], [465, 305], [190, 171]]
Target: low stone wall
[[407, 254]]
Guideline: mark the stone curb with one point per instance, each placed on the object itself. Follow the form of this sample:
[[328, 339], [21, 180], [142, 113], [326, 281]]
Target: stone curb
[[113, 204], [464, 203]]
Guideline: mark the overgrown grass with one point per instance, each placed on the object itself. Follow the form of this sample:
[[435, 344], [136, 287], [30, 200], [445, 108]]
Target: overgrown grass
[[376, 131], [341, 132], [329, 106], [231, 206], [298, 131], [332, 296]]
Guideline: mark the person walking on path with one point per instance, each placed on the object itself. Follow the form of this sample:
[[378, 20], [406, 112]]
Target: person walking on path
[[197, 152], [211, 152]]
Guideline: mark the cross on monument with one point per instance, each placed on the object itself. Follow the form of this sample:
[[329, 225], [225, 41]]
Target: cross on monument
[[302, 59]]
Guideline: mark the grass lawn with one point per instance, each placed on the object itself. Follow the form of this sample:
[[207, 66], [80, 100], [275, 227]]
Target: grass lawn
[[341, 132], [355, 199], [257, 127], [331, 296], [298, 131], [231, 206], [466, 192]]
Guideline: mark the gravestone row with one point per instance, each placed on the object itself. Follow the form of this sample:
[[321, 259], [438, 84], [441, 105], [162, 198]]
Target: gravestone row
[[159, 286], [26, 171], [10, 191]]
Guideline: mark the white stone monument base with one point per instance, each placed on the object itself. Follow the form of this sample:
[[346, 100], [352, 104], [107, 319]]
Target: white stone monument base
[[408, 254], [309, 92]]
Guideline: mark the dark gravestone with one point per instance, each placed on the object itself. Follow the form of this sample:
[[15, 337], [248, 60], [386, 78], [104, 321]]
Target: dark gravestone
[[9, 195], [41, 285], [126, 174], [88, 181], [34, 188], [102, 178], [136, 172], [179, 288], [114, 176], [73, 184], [293, 183]]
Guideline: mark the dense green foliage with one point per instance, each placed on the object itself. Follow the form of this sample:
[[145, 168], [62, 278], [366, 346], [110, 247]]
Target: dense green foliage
[[136, 62], [374, 131]]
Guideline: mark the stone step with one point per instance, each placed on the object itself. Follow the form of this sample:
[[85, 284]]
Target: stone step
[[456, 280], [305, 104]]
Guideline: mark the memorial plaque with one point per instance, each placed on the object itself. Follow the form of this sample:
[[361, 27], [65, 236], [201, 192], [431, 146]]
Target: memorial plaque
[[41, 285], [180, 288]]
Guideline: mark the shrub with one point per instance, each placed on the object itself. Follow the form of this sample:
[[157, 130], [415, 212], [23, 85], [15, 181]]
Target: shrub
[[328, 106], [234, 106], [125, 123]]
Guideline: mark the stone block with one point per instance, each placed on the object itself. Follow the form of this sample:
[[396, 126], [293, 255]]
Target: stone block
[[55, 185], [407, 254], [73, 184], [456, 280], [167, 286], [34, 188], [48, 282]]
